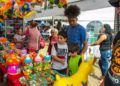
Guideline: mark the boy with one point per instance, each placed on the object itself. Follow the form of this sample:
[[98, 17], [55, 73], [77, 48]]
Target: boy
[[59, 53], [74, 60]]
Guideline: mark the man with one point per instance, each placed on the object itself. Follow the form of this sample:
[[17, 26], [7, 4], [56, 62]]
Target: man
[[75, 32], [113, 75]]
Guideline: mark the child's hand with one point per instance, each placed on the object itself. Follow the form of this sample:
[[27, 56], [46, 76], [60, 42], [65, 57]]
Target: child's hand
[[62, 61]]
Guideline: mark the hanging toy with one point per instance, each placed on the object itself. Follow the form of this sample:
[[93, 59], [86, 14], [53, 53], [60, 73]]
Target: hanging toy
[[30, 14], [62, 3], [8, 5], [18, 13], [51, 1], [20, 2], [25, 8]]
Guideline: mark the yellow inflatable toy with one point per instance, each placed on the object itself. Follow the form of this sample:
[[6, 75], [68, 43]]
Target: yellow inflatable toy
[[78, 79]]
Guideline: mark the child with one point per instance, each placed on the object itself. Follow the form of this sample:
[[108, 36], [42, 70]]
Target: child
[[53, 39], [59, 53], [19, 39], [74, 60]]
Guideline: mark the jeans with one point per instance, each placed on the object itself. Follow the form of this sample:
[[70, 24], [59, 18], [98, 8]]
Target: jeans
[[104, 62]]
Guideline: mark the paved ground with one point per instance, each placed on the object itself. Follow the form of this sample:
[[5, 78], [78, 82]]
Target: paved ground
[[94, 79]]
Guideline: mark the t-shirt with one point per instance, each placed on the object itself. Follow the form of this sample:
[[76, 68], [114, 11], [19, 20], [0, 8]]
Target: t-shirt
[[62, 51], [74, 63], [19, 37], [113, 75], [76, 34]]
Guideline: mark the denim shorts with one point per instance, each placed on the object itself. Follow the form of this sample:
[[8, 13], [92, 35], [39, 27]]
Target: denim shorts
[[105, 61]]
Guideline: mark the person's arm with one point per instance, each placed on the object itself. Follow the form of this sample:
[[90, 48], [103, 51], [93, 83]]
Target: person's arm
[[84, 40], [58, 59], [85, 46], [100, 40], [54, 55]]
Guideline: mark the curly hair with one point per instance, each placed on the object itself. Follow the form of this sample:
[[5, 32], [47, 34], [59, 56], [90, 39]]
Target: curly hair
[[72, 11], [114, 3]]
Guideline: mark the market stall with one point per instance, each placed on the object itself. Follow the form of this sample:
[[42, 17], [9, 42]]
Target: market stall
[[23, 68]]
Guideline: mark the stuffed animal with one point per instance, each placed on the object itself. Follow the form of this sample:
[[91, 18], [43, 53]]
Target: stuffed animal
[[78, 79]]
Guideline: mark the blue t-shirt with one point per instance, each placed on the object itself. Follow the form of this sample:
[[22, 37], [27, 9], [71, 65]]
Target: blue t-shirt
[[76, 34]]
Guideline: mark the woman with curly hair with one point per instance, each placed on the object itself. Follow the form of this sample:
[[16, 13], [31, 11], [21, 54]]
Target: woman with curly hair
[[75, 32], [105, 41]]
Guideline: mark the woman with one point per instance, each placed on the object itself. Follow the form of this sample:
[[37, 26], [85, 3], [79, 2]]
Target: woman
[[33, 34], [53, 39], [105, 42]]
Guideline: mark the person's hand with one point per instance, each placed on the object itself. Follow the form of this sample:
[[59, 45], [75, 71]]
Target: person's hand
[[62, 61], [92, 45]]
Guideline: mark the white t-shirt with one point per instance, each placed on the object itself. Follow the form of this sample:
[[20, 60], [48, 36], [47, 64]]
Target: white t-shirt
[[19, 37], [62, 51]]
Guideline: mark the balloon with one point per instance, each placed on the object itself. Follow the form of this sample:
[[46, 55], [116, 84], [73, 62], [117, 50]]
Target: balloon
[[18, 13], [25, 8], [8, 5], [78, 79]]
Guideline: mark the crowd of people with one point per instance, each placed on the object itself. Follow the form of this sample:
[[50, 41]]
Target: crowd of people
[[66, 46]]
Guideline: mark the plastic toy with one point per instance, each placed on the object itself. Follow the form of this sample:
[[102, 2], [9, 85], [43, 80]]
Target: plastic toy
[[27, 59], [78, 79], [13, 64]]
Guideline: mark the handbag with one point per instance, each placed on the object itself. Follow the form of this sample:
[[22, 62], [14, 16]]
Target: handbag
[[42, 43]]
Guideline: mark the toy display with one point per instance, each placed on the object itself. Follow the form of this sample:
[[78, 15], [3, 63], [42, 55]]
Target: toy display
[[36, 68]]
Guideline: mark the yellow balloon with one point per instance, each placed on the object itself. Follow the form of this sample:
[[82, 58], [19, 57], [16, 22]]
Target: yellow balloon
[[79, 78]]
